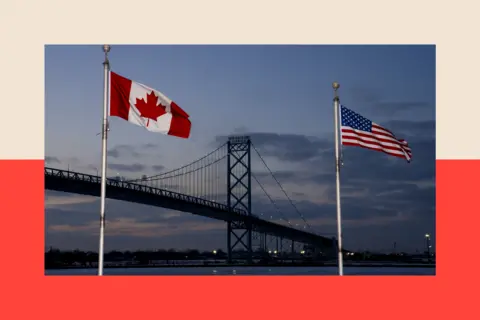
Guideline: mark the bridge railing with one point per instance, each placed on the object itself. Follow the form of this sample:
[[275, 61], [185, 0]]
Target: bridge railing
[[70, 175]]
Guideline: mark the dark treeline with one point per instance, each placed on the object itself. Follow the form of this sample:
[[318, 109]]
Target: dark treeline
[[55, 258]]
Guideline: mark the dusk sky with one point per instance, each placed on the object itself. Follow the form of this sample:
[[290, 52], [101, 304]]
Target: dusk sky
[[279, 95]]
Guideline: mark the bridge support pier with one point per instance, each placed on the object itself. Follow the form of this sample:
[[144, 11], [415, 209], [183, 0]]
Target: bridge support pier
[[239, 195]]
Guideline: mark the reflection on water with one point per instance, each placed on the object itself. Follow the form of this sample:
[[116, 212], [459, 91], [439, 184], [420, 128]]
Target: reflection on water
[[248, 271]]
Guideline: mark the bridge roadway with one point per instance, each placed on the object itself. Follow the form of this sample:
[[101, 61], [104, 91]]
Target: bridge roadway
[[80, 183]]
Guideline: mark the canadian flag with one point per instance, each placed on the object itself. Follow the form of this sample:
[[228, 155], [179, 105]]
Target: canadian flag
[[147, 107]]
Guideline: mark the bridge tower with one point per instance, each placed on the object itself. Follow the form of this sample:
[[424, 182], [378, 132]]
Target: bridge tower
[[239, 193]]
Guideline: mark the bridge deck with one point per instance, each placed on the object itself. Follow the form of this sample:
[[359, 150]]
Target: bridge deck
[[80, 183]]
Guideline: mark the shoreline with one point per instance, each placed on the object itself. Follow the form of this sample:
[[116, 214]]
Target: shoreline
[[345, 265]]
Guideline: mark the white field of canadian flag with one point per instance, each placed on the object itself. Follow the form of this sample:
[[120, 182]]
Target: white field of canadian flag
[[146, 107]]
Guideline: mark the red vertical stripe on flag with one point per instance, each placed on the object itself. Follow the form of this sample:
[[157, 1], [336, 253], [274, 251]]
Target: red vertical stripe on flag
[[177, 111], [180, 125], [119, 96]]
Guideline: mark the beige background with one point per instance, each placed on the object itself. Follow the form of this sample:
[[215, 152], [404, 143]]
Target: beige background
[[26, 26]]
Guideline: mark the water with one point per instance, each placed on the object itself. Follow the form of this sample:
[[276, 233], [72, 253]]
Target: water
[[261, 271]]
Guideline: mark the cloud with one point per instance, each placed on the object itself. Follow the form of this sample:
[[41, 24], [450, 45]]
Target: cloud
[[403, 105], [390, 108], [383, 107], [49, 160], [135, 151], [315, 155], [136, 167], [286, 147], [120, 150], [416, 130], [133, 228], [66, 200], [158, 167], [240, 130], [58, 204], [52, 160], [93, 168], [114, 153], [75, 224]]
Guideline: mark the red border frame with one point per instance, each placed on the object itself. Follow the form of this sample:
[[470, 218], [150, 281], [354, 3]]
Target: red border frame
[[28, 294]]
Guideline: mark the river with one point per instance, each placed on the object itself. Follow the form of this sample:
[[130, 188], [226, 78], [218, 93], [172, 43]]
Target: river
[[246, 271]]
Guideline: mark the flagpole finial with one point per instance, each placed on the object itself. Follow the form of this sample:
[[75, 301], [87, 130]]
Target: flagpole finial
[[106, 49], [335, 86]]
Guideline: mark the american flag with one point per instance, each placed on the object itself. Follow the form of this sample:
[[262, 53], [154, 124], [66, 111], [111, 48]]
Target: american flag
[[359, 131]]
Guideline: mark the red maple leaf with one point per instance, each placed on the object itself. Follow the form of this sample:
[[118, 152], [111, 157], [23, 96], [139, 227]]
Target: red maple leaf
[[150, 109]]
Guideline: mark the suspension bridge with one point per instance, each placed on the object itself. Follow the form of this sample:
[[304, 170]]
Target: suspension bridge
[[205, 188]]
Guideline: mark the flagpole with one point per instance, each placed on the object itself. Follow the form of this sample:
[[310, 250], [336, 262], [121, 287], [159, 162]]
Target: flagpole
[[106, 68], [336, 106]]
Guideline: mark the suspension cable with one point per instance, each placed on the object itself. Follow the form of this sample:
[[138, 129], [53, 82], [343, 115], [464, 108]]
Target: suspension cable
[[157, 177], [152, 178], [281, 188], [273, 202]]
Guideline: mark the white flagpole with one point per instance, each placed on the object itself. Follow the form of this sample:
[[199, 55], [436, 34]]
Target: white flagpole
[[336, 107], [106, 68]]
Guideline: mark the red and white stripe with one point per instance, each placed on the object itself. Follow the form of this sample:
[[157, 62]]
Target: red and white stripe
[[123, 97], [379, 139]]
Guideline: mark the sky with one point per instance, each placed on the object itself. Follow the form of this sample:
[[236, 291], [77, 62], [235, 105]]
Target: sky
[[281, 96]]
